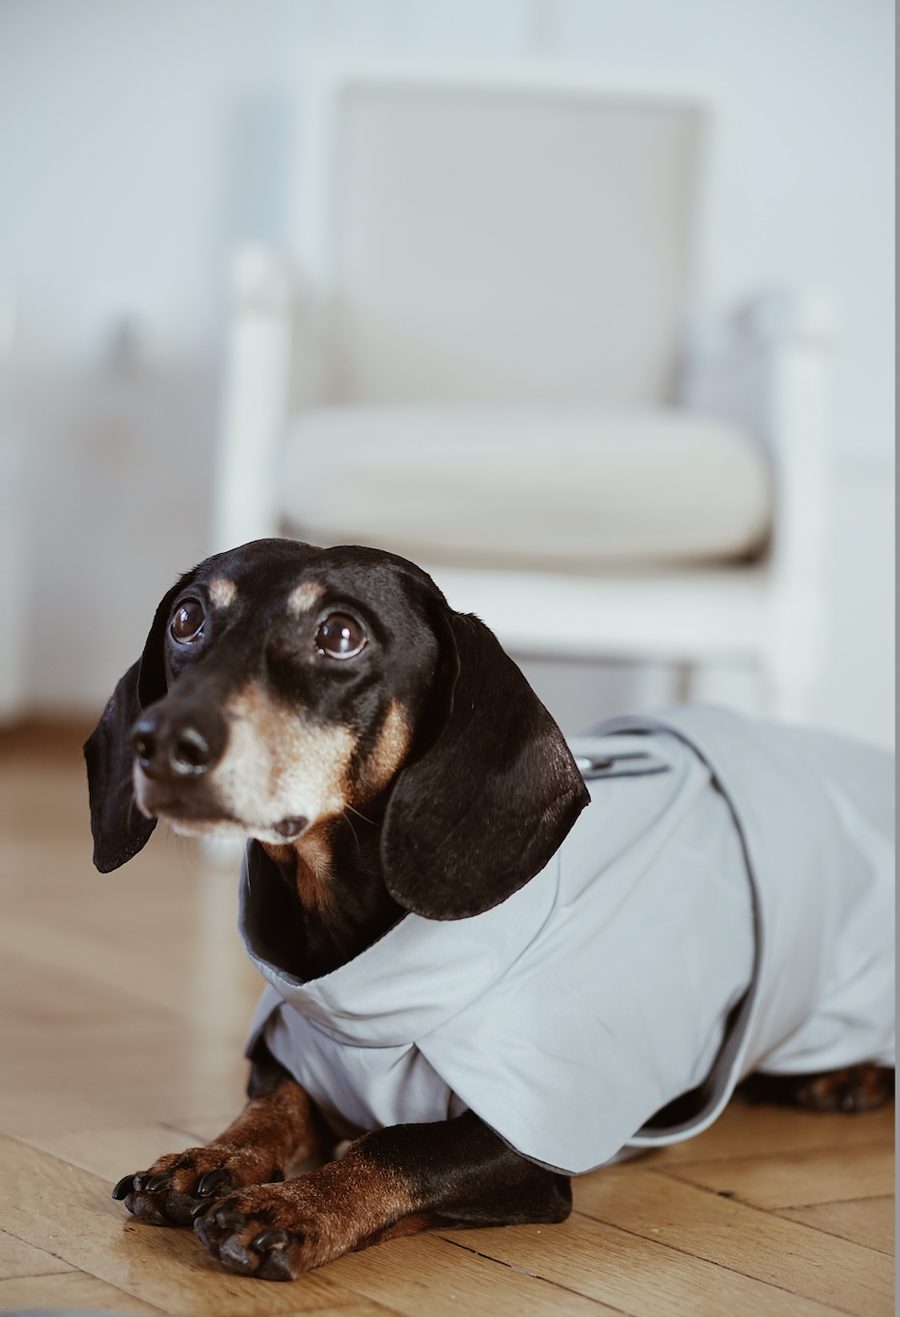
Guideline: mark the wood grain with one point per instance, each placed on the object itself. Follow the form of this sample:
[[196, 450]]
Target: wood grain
[[870, 1221], [731, 1235], [797, 1178], [361, 1309], [18, 1258], [636, 1275], [748, 1131], [113, 1150], [199, 1129], [430, 1276], [73, 1290]]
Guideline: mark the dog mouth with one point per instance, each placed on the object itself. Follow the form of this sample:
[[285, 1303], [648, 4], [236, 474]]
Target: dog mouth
[[181, 813], [200, 812], [194, 818]]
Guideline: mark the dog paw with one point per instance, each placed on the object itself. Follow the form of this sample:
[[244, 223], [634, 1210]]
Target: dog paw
[[242, 1233], [855, 1088], [179, 1184], [279, 1231]]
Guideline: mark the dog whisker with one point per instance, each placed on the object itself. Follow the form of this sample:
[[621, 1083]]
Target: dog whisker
[[349, 823], [362, 816]]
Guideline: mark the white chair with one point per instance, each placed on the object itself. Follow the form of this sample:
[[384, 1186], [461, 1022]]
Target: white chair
[[484, 351]]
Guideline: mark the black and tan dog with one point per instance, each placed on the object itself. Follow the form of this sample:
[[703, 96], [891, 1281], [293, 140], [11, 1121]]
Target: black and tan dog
[[390, 758]]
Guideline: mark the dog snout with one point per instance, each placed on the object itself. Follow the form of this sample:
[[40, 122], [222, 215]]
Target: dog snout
[[175, 743]]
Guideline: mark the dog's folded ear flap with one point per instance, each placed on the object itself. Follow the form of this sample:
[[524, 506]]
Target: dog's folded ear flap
[[487, 805], [119, 829]]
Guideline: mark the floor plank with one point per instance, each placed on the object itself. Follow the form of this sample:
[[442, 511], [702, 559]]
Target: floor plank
[[428, 1276], [796, 1179], [758, 1244], [639, 1276], [73, 1290], [112, 1150], [361, 1309], [100, 1060], [200, 1129], [750, 1131], [66, 1210], [65, 1038], [20, 1259], [129, 932], [869, 1221]]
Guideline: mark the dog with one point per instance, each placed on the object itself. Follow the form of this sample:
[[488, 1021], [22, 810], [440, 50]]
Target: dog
[[414, 809]]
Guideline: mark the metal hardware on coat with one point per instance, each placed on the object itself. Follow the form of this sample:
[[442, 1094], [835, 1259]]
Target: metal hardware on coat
[[625, 765]]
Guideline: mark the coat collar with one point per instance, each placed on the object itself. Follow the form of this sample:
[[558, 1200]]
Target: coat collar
[[418, 975], [422, 972]]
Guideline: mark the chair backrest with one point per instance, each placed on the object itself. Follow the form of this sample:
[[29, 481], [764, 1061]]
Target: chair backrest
[[516, 235]]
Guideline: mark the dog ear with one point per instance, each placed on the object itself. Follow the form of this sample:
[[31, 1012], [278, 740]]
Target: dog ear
[[487, 805], [119, 829]]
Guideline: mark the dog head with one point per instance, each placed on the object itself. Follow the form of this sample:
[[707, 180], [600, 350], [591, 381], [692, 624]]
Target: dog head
[[282, 685]]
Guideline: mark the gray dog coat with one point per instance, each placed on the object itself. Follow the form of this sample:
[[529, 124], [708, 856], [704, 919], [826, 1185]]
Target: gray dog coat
[[724, 905]]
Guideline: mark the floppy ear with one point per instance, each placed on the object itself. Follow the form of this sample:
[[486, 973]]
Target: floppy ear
[[490, 802], [119, 829]]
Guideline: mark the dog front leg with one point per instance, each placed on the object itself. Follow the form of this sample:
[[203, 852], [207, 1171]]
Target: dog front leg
[[397, 1181], [278, 1125]]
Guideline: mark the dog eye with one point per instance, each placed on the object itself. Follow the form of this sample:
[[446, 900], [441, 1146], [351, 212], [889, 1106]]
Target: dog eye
[[340, 637], [187, 623]]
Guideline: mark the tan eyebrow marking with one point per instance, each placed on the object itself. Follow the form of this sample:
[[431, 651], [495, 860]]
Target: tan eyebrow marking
[[222, 592], [304, 597]]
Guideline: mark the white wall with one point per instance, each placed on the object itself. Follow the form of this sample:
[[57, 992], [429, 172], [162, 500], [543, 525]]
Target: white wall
[[140, 138]]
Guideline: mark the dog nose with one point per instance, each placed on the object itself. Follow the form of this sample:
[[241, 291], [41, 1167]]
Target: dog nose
[[174, 743]]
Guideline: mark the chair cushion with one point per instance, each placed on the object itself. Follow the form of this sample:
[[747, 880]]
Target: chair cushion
[[552, 489]]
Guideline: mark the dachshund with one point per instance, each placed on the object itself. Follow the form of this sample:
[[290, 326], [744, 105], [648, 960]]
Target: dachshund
[[391, 763]]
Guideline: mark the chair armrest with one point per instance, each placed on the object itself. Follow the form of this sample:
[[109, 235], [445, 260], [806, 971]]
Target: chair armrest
[[255, 398], [734, 365], [767, 367]]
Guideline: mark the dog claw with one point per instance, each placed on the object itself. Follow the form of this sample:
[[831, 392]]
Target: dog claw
[[274, 1237], [217, 1227], [200, 1209], [218, 1223], [213, 1181], [275, 1266], [126, 1186], [157, 1183], [235, 1257]]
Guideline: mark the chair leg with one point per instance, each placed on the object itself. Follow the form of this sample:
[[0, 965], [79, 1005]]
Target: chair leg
[[683, 681], [735, 685]]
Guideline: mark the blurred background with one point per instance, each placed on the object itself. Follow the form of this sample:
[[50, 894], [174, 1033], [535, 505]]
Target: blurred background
[[143, 145]]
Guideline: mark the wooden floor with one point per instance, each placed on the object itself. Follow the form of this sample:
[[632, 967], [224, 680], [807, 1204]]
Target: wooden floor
[[125, 999]]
